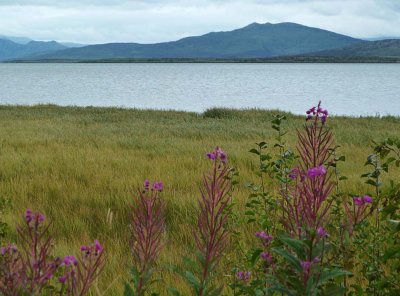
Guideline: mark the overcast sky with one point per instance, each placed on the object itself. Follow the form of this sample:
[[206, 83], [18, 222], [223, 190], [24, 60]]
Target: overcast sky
[[149, 21]]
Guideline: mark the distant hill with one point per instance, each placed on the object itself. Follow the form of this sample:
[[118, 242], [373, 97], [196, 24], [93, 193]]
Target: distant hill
[[380, 48], [20, 40], [12, 50], [253, 41]]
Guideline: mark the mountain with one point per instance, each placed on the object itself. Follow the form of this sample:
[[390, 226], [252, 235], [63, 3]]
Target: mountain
[[381, 48], [254, 40], [20, 40], [12, 50]]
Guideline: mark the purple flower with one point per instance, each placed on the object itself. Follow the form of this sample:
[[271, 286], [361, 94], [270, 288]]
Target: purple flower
[[97, 246], [266, 256], [316, 172], [243, 275], [306, 265], [84, 248], [70, 260], [294, 173], [146, 185], [367, 199], [28, 215], [218, 153], [319, 112], [211, 155], [63, 279], [311, 110], [358, 201], [158, 186], [40, 217], [322, 232], [265, 237]]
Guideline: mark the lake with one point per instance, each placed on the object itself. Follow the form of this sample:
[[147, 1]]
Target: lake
[[346, 89]]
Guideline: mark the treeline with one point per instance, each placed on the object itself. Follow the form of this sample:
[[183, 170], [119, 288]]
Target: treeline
[[289, 59]]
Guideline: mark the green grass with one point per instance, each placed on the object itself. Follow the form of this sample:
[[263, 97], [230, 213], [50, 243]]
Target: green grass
[[77, 164]]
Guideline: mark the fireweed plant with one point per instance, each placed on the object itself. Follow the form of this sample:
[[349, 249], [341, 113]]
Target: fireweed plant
[[147, 229], [212, 233], [293, 258], [31, 269]]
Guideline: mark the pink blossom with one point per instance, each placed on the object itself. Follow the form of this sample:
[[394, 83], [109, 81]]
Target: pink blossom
[[322, 232], [316, 172]]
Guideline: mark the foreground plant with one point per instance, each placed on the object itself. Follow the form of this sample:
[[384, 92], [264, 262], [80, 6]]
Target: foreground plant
[[295, 261], [31, 269], [147, 229], [212, 232]]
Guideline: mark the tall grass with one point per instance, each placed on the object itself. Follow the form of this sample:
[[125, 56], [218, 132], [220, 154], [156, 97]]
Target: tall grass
[[80, 166]]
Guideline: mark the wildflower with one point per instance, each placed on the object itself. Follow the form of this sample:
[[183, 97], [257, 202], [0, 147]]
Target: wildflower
[[322, 232], [28, 215], [319, 112], [264, 237], [316, 172], [294, 173], [306, 266], [40, 217], [243, 275], [146, 184], [97, 246], [311, 110], [367, 199], [70, 260], [62, 279], [218, 153], [158, 186], [266, 256], [358, 201]]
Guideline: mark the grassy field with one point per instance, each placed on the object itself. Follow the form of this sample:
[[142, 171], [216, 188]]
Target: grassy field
[[78, 165]]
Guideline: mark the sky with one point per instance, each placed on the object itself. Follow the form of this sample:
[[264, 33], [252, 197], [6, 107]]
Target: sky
[[151, 21]]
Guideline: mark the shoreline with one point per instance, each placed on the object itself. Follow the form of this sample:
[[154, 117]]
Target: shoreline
[[212, 112]]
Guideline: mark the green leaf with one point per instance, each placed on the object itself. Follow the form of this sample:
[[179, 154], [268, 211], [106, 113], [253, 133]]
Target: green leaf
[[192, 280], [292, 260], [255, 151], [128, 290], [255, 256], [297, 245], [371, 182], [328, 275]]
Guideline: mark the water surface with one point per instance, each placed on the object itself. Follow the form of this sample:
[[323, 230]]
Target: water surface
[[351, 89]]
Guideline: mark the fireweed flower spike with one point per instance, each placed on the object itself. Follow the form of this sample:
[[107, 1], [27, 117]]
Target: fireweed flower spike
[[358, 212], [28, 269], [217, 154], [147, 229], [306, 204], [80, 273], [212, 234]]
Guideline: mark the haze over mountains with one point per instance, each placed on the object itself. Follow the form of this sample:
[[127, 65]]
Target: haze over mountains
[[253, 41]]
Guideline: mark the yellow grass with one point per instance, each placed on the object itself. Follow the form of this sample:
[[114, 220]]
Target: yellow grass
[[80, 166]]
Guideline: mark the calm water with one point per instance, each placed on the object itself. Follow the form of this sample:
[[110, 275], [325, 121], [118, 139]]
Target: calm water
[[352, 89]]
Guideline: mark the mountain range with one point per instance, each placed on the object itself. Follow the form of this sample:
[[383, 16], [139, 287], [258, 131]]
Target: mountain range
[[253, 41]]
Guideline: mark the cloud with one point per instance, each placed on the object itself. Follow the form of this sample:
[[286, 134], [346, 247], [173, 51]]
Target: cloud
[[148, 21]]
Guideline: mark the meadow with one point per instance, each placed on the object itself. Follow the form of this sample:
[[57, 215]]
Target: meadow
[[81, 167]]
